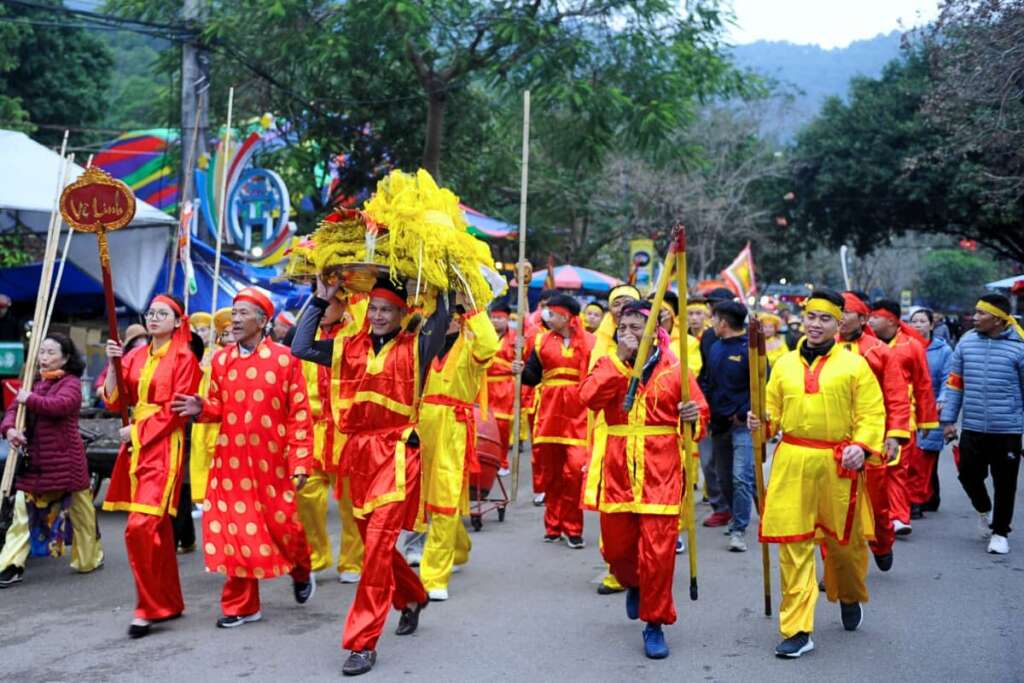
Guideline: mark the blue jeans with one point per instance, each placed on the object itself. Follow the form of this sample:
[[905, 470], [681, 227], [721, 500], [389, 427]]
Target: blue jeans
[[734, 465], [707, 465]]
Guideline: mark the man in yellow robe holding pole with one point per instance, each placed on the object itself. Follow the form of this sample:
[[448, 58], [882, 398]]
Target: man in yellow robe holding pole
[[447, 430], [828, 405]]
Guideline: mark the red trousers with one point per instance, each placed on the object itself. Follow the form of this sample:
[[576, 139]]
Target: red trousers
[[563, 487], [919, 477], [241, 597], [878, 493], [537, 467], [387, 580], [149, 542], [505, 435], [641, 552], [899, 487]]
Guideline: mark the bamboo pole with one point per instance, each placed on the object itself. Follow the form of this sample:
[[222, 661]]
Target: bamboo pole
[[28, 373], [757, 366], [222, 212], [60, 270], [521, 303], [186, 196], [649, 329], [684, 385]]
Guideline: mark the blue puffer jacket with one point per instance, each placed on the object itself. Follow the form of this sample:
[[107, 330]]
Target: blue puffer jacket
[[986, 378], [939, 357]]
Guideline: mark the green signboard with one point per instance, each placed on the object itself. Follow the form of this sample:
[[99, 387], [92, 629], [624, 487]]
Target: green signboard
[[12, 358]]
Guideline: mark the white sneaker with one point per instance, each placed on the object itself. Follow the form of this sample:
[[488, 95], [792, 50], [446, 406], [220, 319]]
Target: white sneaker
[[456, 569], [998, 545], [438, 594], [414, 557], [901, 528], [736, 542], [538, 499], [503, 472], [680, 545], [348, 577], [985, 525]]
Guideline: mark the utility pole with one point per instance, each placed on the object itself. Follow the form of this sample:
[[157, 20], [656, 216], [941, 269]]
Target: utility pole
[[195, 89]]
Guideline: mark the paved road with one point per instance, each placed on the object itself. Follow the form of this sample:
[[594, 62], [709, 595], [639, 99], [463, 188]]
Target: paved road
[[526, 610]]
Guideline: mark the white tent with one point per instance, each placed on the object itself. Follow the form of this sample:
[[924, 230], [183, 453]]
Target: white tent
[[28, 178], [1005, 283]]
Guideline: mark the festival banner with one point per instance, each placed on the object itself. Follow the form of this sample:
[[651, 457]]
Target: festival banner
[[739, 275], [641, 263]]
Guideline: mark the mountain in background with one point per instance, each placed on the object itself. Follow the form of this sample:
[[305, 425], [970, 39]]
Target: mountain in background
[[812, 73]]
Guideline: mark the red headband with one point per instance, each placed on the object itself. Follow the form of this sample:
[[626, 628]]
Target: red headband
[[885, 313], [257, 298], [854, 304], [388, 295], [561, 310], [499, 314], [171, 303]]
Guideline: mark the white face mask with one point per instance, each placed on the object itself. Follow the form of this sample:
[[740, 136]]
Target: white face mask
[[545, 315]]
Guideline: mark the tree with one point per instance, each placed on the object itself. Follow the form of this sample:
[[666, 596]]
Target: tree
[[57, 76], [952, 278]]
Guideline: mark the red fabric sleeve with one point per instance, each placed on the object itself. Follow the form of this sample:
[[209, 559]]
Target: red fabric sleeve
[[213, 407], [705, 412], [897, 401], [603, 386], [299, 422], [924, 395], [66, 399]]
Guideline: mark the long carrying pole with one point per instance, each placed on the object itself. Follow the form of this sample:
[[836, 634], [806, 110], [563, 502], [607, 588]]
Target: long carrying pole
[[38, 321], [521, 303], [757, 365], [225, 152], [684, 385]]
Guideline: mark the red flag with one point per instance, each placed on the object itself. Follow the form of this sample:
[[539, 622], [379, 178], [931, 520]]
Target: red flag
[[739, 275]]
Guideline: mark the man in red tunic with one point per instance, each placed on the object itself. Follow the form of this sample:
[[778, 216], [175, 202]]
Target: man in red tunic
[[377, 374], [501, 382], [908, 348], [855, 335], [636, 477], [558, 361], [251, 526]]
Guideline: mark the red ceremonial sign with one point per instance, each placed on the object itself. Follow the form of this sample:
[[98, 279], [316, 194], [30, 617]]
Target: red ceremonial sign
[[97, 202]]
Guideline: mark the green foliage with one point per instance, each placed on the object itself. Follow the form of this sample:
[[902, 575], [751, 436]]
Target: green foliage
[[57, 77], [953, 278]]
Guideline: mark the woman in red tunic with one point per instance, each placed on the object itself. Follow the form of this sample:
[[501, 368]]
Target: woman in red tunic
[[148, 470]]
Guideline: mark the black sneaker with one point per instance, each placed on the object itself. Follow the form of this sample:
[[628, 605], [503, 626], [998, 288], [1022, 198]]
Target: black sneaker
[[359, 662], [10, 576], [136, 631], [575, 542], [794, 646], [238, 620], [552, 538], [884, 562], [304, 589], [852, 614], [608, 590], [409, 620], [821, 585], [915, 512]]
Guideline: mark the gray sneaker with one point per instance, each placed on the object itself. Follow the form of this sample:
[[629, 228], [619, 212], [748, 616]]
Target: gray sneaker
[[736, 542]]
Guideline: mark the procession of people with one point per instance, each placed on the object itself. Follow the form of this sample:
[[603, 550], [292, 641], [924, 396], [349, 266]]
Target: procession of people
[[374, 393]]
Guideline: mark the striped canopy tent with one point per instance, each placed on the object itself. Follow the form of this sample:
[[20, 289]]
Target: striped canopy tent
[[488, 228], [577, 279]]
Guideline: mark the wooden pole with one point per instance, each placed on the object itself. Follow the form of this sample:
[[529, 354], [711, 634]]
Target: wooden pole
[[684, 385], [222, 212], [60, 270], [521, 304], [29, 371], [187, 181], [757, 367]]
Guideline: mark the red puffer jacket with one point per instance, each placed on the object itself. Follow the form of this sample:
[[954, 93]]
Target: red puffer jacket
[[56, 452]]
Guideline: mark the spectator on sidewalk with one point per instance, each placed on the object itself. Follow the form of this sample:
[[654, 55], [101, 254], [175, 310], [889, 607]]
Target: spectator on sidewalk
[[924, 469], [727, 388], [10, 327], [986, 380]]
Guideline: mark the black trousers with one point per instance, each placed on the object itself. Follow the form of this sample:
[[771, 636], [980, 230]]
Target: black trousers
[[998, 454]]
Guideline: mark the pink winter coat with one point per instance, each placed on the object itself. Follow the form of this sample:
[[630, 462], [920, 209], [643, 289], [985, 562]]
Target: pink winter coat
[[56, 453]]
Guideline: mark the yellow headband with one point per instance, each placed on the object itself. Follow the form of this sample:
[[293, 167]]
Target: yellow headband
[[623, 290], [824, 306], [697, 307], [597, 306], [999, 313]]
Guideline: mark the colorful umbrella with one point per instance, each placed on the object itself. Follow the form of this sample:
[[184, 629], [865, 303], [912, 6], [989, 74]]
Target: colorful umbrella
[[488, 228], [576, 278]]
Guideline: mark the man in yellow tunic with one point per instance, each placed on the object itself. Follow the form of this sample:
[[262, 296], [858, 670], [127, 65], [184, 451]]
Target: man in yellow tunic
[[828, 406], [447, 429], [346, 318]]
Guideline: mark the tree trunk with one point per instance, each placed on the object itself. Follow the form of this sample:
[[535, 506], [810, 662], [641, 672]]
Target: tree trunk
[[437, 105]]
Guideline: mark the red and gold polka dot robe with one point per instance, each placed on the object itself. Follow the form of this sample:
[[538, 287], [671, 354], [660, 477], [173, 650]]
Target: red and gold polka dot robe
[[251, 527]]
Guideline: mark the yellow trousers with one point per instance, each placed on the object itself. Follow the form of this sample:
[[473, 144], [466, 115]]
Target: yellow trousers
[[86, 549], [447, 545], [846, 568], [312, 504]]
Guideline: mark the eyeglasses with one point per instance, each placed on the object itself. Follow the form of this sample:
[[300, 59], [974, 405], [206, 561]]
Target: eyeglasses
[[157, 314]]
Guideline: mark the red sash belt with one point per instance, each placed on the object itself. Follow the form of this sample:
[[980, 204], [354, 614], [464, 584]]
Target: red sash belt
[[837, 448], [464, 414]]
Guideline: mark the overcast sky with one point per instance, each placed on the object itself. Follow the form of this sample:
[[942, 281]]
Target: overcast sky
[[828, 23]]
